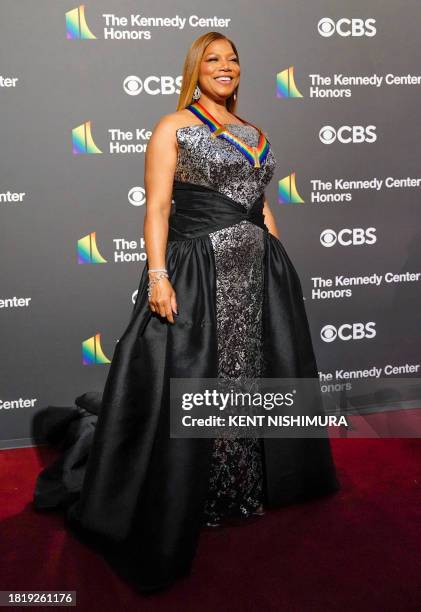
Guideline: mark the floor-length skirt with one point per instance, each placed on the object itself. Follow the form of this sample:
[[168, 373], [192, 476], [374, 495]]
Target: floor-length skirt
[[122, 477]]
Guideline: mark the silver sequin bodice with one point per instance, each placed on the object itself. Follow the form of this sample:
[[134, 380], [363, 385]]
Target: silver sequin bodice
[[216, 163]]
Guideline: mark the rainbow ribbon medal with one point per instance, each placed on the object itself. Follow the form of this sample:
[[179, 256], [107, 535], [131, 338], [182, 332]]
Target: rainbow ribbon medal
[[255, 155]]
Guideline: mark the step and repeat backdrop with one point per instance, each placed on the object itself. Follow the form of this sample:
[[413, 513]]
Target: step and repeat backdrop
[[336, 86]]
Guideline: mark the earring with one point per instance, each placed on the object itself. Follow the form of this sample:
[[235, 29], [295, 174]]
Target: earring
[[235, 95], [196, 93]]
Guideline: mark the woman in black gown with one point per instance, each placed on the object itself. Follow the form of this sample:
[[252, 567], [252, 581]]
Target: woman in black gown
[[219, 297]]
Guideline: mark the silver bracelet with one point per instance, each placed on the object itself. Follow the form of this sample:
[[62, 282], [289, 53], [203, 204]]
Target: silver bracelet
[[157, 270], [152, 282]]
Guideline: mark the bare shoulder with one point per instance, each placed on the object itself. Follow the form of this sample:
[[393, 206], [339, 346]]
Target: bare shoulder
[[182, 118], [168, 124]]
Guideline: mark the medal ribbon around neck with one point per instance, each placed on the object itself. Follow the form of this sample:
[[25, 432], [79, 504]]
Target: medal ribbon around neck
[[255, 155]]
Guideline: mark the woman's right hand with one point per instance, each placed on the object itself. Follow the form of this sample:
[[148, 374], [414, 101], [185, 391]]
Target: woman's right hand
[[163, 299]]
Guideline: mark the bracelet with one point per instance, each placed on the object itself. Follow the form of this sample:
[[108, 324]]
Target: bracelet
[[157, 270], [152, 282]]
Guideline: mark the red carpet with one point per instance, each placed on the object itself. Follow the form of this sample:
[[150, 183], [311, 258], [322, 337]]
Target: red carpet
[[356, 550]]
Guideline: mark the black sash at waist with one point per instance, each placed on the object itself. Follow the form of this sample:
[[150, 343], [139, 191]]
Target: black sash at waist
[[200, 210]]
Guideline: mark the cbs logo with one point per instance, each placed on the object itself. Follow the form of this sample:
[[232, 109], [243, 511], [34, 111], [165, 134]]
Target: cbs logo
[[347, 27], [348, 331], [152, 85], [348, 133], [348, 237], [137, 196]]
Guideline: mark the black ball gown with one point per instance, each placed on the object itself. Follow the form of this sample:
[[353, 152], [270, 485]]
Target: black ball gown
[[120, 478]]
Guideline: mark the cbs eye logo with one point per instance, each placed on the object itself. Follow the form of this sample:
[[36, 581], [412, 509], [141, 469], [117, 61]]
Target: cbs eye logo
[[346, 27], [152, 85], [348, 134], [136, 196], [355, 236], [348, 331]]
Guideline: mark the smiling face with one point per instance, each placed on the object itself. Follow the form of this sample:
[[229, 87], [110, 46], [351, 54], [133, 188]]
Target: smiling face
[[219, 74]]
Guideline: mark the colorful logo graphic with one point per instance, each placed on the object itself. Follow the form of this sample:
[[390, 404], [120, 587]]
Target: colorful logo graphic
[[76, 26], [92, 352], [87, 250], [287, 191], [285, 84], [82, 141]]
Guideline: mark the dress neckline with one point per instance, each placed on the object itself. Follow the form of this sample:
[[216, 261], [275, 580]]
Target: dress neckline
[[255, 155]]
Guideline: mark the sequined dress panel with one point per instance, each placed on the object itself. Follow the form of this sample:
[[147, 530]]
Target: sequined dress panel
[[236, 477]]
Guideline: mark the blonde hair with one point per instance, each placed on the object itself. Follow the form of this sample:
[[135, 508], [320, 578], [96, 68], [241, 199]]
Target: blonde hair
[[191, 70]]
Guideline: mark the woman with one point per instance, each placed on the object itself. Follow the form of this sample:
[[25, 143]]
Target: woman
[[219, 298]]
